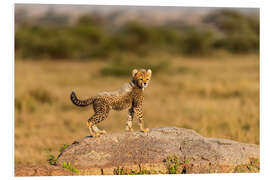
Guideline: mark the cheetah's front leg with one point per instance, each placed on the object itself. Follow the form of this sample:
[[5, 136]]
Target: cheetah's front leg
[[139, 114]]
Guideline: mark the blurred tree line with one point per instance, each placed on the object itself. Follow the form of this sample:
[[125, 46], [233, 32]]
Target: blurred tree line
[[92, 36]]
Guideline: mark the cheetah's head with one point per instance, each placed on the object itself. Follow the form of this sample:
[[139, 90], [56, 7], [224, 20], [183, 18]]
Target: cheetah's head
[[141, 78]]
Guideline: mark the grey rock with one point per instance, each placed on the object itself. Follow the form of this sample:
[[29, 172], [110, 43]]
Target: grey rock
[[134, 150]]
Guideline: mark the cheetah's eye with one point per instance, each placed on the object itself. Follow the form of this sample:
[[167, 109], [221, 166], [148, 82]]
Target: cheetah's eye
[[141, 79]]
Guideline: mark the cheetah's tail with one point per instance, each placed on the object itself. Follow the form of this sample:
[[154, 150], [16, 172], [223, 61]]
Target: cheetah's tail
[[78, 102]]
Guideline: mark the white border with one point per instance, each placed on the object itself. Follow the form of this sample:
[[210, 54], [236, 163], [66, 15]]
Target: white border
[[7, 77]]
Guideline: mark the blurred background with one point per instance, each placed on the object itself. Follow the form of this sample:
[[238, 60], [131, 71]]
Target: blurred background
[[205, 64]]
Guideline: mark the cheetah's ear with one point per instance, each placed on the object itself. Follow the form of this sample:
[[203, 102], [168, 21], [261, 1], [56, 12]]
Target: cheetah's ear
[[149, 72], [134, 71]]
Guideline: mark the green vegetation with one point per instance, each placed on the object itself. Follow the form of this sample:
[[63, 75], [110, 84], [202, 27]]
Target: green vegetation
[[125, 171], [91, 37], [69, 167], [241, 34], [198, 42], [63, 147], [52, 160], [175, 166], [252, 166], [18, 105], [120, 67]]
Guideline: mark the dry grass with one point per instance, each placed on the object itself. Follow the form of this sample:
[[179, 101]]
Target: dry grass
[[217, 97]]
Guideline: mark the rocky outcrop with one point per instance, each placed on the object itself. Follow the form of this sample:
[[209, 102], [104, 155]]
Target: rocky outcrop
[[162, 150]]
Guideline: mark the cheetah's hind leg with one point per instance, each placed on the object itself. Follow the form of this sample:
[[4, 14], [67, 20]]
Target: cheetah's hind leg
[[92, 133], [95, 128], [101, 113], [129, 120]]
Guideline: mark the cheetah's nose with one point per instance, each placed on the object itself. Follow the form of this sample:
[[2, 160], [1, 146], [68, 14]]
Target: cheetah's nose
[[144, 83]]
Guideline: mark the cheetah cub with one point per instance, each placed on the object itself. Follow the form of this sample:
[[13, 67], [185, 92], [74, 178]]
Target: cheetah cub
[[130, 95]]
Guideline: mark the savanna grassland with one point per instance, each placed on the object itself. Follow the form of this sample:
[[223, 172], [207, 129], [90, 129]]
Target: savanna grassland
[[216, 96]]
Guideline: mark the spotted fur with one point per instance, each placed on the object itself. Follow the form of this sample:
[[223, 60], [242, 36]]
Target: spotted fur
[[130, 96]]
